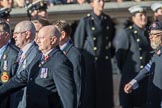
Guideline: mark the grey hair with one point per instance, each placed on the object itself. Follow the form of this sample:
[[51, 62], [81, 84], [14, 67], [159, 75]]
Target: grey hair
[[28, 26]]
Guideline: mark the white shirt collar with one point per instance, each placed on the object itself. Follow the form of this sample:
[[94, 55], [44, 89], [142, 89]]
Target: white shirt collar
[[25, 49], [45, 54], [64, 45]]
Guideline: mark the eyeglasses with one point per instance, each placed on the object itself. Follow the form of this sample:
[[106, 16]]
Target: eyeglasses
[[155, 34], [16, 33]]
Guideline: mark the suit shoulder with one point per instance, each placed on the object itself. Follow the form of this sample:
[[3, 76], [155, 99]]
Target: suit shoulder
[[59, 55], [88, 16], [14, 48], [75, 51], [107, 16], [129, 29], [59, 58]]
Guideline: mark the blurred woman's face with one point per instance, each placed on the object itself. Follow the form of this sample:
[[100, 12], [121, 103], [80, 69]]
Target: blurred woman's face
[[140, 19], [158, 14]]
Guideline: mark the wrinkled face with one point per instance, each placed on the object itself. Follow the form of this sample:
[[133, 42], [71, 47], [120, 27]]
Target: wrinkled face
[[44, 41], [155, 39], [140, 19], [158, 14], [98, 5], [19, 36]]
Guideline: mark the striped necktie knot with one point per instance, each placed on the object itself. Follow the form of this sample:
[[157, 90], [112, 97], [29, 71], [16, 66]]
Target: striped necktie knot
[[19, 55]]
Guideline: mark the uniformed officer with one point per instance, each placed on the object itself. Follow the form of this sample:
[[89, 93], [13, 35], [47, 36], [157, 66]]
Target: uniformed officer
[[153, 66], [24, 35], [5, 14], [132, 49], [49, 78], [8, 56], [74, 55], [157, 9], [94, 36], [37, 9], [152, 95]]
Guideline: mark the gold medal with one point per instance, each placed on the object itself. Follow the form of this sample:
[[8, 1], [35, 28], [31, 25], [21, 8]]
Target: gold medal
[[4, 77], [23, 57]]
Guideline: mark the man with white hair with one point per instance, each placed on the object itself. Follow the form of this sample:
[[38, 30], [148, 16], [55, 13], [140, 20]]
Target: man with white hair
[[24, 35]]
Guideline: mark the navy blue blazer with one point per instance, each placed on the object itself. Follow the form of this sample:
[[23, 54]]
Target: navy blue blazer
[[18, 100], [77, 60], [7, 68]]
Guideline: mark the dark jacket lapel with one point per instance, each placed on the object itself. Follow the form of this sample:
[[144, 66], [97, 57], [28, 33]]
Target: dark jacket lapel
[[36, 66], [67, 47]]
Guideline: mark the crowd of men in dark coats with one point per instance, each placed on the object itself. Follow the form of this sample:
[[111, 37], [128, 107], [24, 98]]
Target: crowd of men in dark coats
[[42, 67]]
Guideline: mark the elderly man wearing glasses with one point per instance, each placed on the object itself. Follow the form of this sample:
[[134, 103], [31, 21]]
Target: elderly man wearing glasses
[[153, 67], [24, 35]]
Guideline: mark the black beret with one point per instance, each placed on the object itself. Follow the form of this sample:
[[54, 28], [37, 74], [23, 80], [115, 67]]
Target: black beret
[[157, 25]]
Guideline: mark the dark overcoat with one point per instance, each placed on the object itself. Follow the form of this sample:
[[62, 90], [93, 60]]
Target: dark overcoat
[[132, 53], [93, 36]]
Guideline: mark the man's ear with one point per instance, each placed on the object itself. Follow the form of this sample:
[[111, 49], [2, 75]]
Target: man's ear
[[28, 33], [63, 34], [53, 40]]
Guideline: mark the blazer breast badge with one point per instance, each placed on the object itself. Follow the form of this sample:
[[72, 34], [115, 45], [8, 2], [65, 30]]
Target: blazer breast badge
[[4, 77]]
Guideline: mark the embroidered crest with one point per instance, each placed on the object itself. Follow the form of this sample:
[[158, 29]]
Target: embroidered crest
[[4, 77]]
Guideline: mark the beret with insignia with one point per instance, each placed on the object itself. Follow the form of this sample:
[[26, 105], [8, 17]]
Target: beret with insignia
[[157, 25]]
